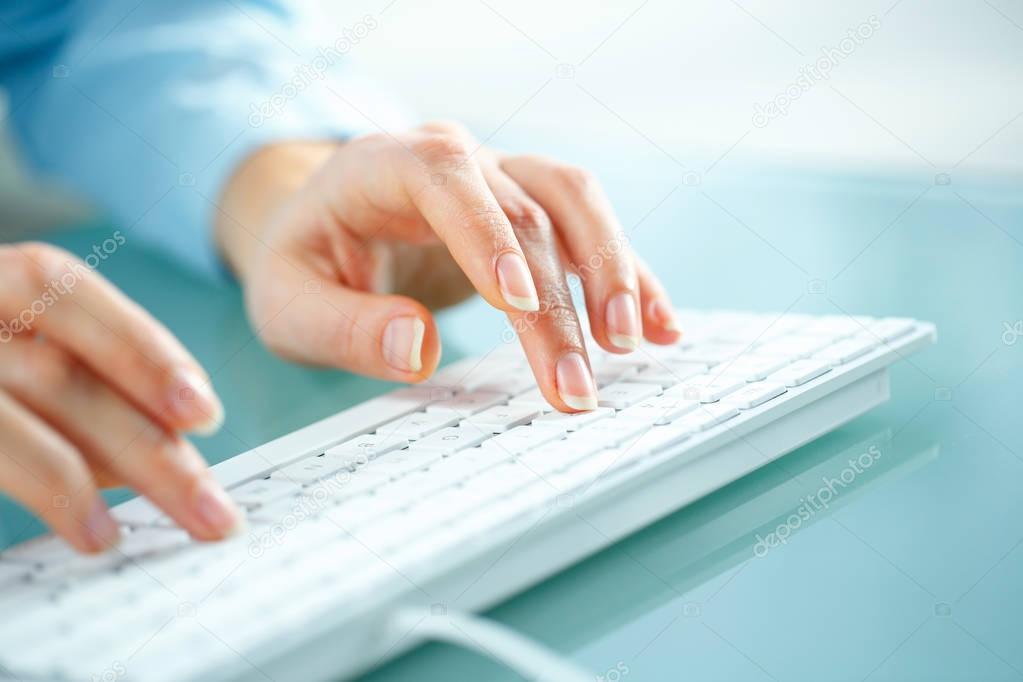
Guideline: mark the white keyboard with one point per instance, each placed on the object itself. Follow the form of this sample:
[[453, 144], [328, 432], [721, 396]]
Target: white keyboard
[[436, 499]]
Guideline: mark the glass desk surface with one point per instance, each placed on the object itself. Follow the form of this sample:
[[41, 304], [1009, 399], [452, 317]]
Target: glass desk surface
[[914, 568]]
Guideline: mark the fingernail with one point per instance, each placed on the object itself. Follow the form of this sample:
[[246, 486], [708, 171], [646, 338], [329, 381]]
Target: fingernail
[[216, 510], [402, 344], [622, 320], [516, 283], [575, 383], [665, 316], [194, 401], [102, 529]]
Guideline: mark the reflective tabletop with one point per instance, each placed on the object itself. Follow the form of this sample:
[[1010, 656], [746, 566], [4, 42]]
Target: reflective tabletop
[[912, 569]]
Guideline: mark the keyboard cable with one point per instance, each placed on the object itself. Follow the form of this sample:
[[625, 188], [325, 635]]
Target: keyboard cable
[[491, 640]]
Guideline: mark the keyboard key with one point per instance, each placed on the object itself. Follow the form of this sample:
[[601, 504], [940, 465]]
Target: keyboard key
[[707, 416], [264, 490], [532, 398], [798, 373], [524, 438], [656, 440], [667, 375], [467, 404], [713, 353], [572, 421], [609, 375], [707, 388], [140, 511], [624, 394], [12, 573], [360, 511], [370, 445], [556, 456], [793, 347], [661, 409], [451, 439], [846, 351], [503, 479], [514, 383], [611, 362], [891, 328], [468, 463], [503, 417], [835, 326], [311, 469], [399, 463], [754, 395], [418, 485], [611, 432], [418, 424], [752, 367]]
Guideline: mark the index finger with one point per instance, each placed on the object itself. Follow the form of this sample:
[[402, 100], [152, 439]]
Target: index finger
[[49, 291], [460, 207]]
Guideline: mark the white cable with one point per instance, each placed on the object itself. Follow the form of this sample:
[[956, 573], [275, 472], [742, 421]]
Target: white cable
[[490, 639]]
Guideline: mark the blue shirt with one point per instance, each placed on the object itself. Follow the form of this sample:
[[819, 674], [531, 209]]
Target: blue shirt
[[147, 107]]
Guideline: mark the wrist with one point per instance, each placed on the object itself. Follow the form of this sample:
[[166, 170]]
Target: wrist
[[254, 194]]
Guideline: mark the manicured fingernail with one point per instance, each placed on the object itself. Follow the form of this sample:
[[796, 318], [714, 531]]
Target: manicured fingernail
[[575, 383], [216, 510], [516, 283], [622, 320], [194, 401], [402, 344], [102, 529], [665, 316]]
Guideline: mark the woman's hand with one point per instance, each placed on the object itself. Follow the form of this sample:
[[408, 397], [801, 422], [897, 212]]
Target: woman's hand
[[342, 249], [93, 393]]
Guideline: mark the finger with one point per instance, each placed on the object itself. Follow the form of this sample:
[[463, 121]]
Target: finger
[[114, 437], [659, 322], [309, 317], [552, 336], [43, 471], [62, 298], [435, 172], [594, 242]]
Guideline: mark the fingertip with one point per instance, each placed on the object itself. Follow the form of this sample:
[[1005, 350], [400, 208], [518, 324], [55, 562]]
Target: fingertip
[[217, 513], [99, 530], [575, 385], [516, 284], [660, 324], [194, 405]]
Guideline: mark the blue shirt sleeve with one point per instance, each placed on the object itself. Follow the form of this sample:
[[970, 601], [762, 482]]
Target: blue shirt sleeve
[[147, 108]]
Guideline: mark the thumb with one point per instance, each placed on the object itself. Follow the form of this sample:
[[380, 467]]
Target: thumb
[[306, 317]]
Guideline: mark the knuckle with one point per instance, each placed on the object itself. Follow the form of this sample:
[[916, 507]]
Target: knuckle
[[46, 366], [441, 149], [447, 126], [526, 216], [560, 314], [578, 182]]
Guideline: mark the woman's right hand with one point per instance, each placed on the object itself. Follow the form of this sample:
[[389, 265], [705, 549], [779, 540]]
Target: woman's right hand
[[94, 393]]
